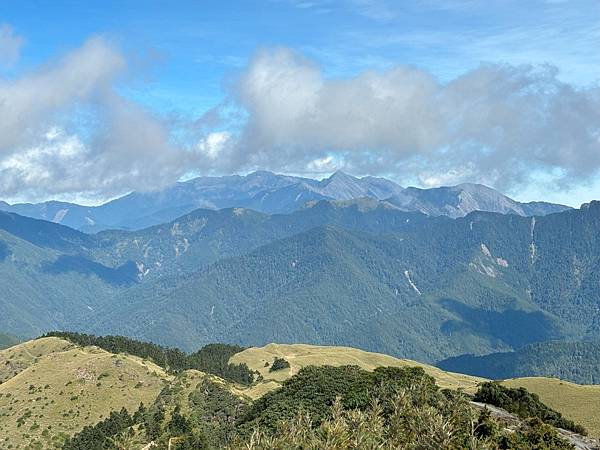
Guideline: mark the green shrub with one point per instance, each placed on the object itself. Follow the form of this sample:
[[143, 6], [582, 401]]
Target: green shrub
[[524, 404], [279, 364]]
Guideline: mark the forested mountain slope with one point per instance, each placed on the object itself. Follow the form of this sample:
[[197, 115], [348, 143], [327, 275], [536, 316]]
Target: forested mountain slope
[[360, 273], [476, 284], [574, 361], [204, 236], [7, 340]]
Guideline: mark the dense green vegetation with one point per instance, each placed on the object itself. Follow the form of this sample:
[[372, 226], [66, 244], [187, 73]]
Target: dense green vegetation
[[346, 274], [578, 362], [314, 389], [407, 426], [326, 407], [524, 404], [107, 434], [210, 409], [212, 358], [279, 364]]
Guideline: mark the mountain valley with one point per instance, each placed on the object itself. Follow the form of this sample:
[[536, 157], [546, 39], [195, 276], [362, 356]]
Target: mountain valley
[[414, 278], [336, 272]]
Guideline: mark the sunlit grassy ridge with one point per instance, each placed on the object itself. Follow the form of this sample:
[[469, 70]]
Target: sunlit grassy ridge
[[60, 388], [302, 355], [51, 388], [19, 357], [580, 403]]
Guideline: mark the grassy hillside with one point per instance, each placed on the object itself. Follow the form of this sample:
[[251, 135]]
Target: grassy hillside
[[302, 355], [59, 388], [574, 401], [19, 357], [51, 388]]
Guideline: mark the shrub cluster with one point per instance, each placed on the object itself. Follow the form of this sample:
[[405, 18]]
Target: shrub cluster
[[524, 404], [279, 364], [338, 408]]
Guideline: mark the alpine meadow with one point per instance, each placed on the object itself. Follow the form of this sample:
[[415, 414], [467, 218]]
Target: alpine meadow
[[298, 225]]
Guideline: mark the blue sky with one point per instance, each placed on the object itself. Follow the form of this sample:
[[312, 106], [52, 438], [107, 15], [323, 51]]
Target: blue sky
[[185, 60], [193, 47]]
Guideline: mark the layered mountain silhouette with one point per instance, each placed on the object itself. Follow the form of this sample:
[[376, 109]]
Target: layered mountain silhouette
[[272, 193]]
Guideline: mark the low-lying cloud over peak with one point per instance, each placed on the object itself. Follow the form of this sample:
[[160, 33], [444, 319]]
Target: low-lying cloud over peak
[[67, 129], [498, 124]]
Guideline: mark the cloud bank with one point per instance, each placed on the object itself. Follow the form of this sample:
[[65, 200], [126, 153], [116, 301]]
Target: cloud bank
[[498, 124], [65, 129]]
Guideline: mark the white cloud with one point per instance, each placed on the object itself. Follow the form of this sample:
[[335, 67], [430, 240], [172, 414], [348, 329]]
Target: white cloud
[[10, 46], [66, 129], [32, 103], [213, 144], [327, 164], [447, 178], [500, 121]]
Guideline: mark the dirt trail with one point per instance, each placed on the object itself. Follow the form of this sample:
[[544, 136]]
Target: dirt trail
[[580, 442]]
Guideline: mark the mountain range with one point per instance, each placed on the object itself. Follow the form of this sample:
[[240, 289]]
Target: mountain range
[[354, 271], [272, 194]]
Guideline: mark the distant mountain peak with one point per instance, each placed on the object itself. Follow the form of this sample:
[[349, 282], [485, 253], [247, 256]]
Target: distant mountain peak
[[339, 176], [341, 186], [261, 173], [270, 193]]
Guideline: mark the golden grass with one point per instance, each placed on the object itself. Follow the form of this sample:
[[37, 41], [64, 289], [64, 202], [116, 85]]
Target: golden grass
[[301, 355], [64, 387], [15, 359], [580, 403], [255, 391], [54, 388]]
